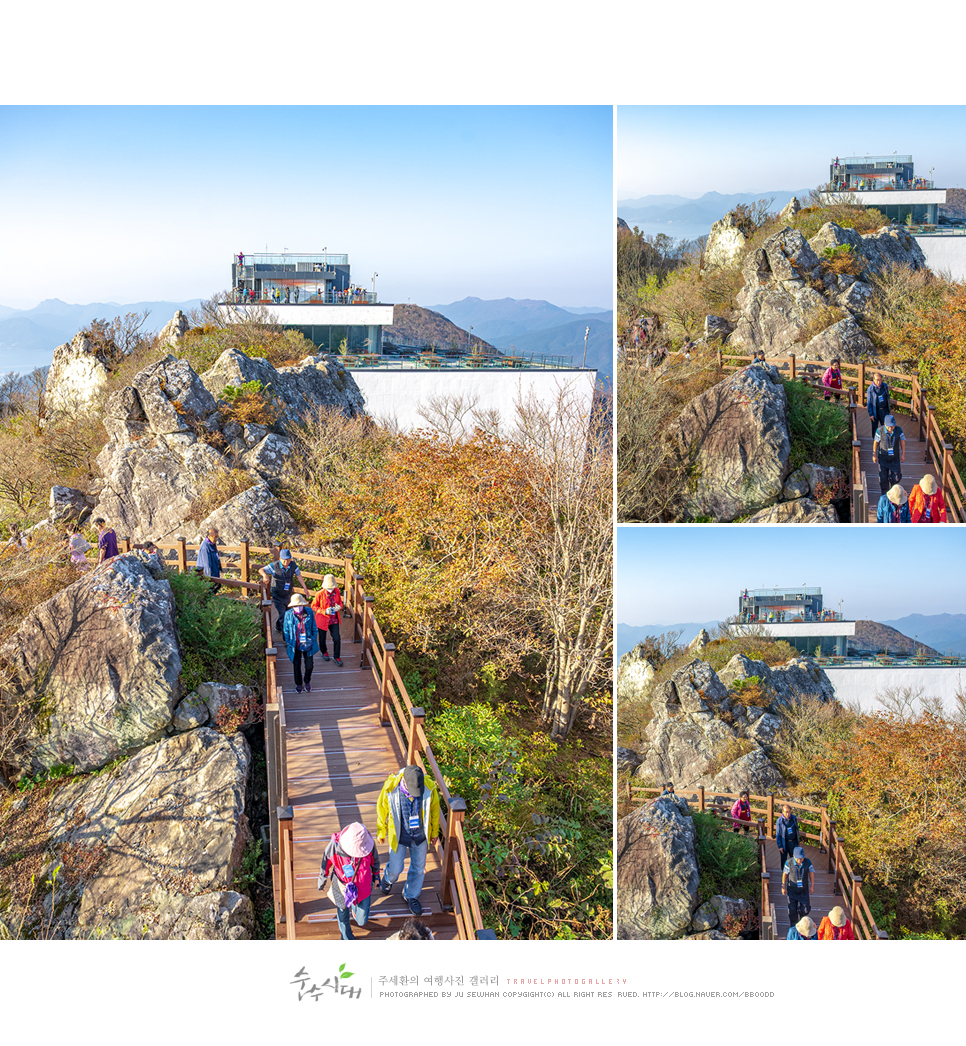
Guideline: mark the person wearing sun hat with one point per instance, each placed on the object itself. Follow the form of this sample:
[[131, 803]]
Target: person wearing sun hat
[[327, 603], [803, 930], [301, 640], [893, 506], [350, 867], [836, 927], [926, 502], [407, 813]]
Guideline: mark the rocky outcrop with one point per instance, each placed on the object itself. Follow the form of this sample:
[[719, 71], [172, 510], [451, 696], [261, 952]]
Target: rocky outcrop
[[844, 340], [801, 678], [877, 251], [68, 505], [150, 850], [726, 240], [100, 664], [804, 510], [255, 514], [735, 438], [700, 641], [174, 330], [77, 375], [718, 910], [657, 872], [635, 672], [317, 382]]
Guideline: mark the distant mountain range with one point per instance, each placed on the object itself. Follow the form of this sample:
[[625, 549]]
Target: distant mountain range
[[28, 337], [945, 633], [535, 326], [705, 210]]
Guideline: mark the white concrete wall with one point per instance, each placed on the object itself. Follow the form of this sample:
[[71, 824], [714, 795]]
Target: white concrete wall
[[807, 628], [877, 197], [861, 685], [397, 395], [945, 254], [327, 315]]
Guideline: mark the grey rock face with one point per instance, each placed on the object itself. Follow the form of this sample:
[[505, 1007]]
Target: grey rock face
[[170, 825], [845, 340], [700, 641], [683, 750], [634, 674], [716, 327], [657, 872], [796, 486], [77, 376], [804, 510], [168, 391], [191, 713], [712, 914], [797, 679], [764, 729], [318, 381], [268, 457], [726, 241], [66, 503], [735, 437], [893, 245], [255, 514], [627, 759], [174, 330], [101, 660], [823, 475], [753, 771]]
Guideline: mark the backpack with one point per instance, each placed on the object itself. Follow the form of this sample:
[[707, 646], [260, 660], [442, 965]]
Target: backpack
[[355, 874]]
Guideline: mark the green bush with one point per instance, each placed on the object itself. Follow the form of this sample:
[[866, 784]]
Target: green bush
[[728, 863], [220, 637], [819, 430]]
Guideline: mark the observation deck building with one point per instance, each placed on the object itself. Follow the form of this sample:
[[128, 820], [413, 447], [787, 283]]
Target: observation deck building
[[889, 184], [796, 615], [310, 293]]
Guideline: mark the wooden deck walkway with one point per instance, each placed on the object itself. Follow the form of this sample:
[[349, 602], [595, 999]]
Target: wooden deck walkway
[[914, 468], [823, 899], [338, 757]]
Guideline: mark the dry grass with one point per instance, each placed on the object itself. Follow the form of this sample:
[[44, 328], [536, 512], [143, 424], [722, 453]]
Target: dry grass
[[219, 487]]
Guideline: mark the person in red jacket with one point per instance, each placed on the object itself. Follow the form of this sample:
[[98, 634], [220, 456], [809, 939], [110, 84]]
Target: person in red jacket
[[327, 604], [836, 927], [832, 379], [926, 502], [741, 813]]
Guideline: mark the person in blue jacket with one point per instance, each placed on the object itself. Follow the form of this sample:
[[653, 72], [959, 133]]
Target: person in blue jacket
[[209, 560], [804, 930], [786, 833], [893, 507], [301, 639], [877, 399]]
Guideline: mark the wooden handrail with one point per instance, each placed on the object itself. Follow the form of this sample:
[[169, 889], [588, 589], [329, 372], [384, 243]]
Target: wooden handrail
[[845, 882]]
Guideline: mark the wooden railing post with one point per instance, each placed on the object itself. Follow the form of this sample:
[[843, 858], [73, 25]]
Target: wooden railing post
[[457, 811], [701, 798], [388, 661], [771, 816], [243, 565], [126, 544], [831, 845], [947, 460], [914, 397], [367, 613], [349, 586], [791, 357], [930, 428], [286, 903], [821, 831], [182, 554], [838, 865], [418, 715], [358, 609], [861, 392]]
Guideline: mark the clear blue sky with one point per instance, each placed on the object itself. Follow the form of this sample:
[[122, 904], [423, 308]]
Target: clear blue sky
[[666, 574], [139, 203], [690, 150]]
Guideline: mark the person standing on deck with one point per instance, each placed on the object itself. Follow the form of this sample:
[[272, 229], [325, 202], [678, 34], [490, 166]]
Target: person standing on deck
[[893, 507], [926, 502], [741, 813], [209, 561], [350, 867], [327, 604], [301, 640], [804, 930], [889, 448], [786, 834], [836, 926], [831, 380], [407, 814], [798, 883], [877, 399], [284, 576], [106, 542]]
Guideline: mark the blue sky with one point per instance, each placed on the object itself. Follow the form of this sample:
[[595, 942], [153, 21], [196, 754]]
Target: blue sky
[[141, 203], [690, 150], [666, 574]]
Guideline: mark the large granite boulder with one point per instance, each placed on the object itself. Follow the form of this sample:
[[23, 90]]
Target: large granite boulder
[[635, 673], [172, 396], [726, 240], [799, 679], [735, 439], [754, 772], [100, 663], [77, 376], [803, 510], [657, 872], [716, 912], [158, 841], [317, 381], [255, 514], [844, 340], [683, 750], [173, 332], [150, 489], [877, 251]]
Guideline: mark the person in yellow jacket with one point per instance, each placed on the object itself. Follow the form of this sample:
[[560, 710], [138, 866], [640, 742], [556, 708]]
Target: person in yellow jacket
[[407, 814]]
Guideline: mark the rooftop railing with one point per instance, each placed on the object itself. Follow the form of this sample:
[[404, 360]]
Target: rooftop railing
[[292, 259], [784, 591], [443, 361], [894, 158]]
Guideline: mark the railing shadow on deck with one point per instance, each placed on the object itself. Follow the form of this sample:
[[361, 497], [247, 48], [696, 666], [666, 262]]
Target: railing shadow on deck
[[396, 712], [815, 827]]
